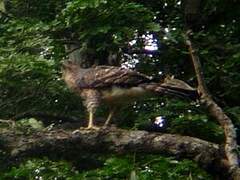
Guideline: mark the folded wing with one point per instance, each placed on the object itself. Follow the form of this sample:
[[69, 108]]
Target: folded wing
[[107, 76]]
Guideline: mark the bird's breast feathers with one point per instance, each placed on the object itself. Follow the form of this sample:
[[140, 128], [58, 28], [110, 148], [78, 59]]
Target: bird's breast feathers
[[118, 93]]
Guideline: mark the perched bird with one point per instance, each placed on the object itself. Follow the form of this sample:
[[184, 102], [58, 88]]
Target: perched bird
[[117, 85]]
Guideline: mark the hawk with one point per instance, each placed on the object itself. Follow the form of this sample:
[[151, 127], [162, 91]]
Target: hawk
[[116, 85]]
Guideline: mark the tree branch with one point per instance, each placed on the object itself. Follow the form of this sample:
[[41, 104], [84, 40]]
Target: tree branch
[[63, 143], [216, 112]]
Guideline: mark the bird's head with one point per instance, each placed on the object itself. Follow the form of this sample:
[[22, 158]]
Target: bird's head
[[69, 68], [69, 65]]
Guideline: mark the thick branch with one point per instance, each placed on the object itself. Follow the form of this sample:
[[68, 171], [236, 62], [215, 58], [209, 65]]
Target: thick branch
[[64, 144], [216, 112]]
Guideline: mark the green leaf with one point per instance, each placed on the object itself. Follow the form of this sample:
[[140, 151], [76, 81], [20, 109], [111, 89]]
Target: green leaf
[[154, 27]]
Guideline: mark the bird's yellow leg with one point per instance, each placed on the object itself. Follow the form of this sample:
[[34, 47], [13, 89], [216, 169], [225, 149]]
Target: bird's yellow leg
[[90, 124], [109, 118], [90, 121]]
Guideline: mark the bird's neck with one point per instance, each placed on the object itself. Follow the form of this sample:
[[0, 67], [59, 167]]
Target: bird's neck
[[70, 77]]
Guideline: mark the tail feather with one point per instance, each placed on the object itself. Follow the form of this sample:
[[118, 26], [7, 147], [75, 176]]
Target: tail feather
[[173, 87], [177, 91]]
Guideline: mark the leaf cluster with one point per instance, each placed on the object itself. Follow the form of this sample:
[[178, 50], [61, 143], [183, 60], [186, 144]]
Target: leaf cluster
[[105, 24], [148, 167]]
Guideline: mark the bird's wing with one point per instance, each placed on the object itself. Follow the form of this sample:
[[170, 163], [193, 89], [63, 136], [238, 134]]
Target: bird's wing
[[106, 76]]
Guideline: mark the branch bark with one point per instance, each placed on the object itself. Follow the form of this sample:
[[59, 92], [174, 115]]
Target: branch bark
[[217, 112], [62, 143]]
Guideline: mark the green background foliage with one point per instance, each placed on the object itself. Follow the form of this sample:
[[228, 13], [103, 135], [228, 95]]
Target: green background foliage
[[149, 167], [32, 39]]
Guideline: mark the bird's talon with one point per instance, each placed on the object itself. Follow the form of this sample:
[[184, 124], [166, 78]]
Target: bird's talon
[[92, 128], [85, 128]]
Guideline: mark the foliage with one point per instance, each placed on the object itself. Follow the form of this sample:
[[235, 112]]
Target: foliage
[[33, 84], [33, 35], [179, 117], [113, 167], [40, 169], [105, 24]]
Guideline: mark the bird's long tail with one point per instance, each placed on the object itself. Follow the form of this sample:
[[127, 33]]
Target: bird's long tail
[[173, 87]]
